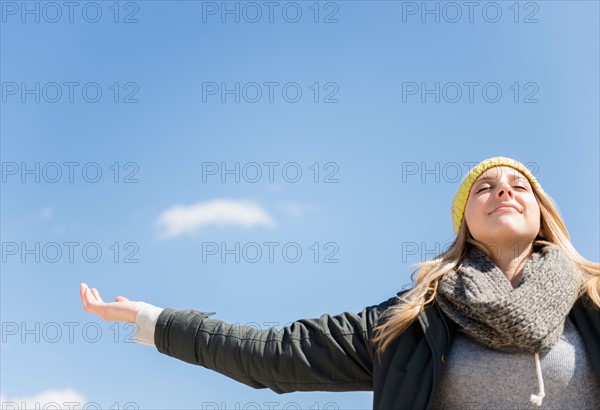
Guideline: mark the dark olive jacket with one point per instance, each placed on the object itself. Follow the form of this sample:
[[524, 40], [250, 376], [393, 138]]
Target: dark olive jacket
[[335, 353]]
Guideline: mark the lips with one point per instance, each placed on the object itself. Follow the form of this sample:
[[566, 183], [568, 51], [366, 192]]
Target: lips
[[505, 206]]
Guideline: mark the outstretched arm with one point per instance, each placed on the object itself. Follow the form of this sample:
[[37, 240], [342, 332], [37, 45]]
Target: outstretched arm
[[330, 353]]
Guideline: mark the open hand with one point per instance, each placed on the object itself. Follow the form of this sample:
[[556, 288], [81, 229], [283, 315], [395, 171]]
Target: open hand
[[121, 310]]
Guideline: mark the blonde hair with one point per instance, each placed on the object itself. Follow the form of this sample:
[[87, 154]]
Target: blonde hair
[[412, 302]]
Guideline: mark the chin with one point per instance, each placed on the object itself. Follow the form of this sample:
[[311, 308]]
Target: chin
[[504, 234]]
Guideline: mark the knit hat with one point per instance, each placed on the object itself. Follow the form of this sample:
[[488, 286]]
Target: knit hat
[[462, 195]]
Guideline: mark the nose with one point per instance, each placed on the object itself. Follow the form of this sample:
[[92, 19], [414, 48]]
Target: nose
[[504, 189]]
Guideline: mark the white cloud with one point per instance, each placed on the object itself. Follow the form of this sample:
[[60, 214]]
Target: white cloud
[[180, 219], [68, 398]]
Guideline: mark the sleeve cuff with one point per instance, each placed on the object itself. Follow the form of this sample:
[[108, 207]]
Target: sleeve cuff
[[145, 322]]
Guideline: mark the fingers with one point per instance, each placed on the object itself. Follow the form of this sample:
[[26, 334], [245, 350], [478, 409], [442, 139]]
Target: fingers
[[82, 292], [93, 303], [97, 295], [82, 287], [90, 298]]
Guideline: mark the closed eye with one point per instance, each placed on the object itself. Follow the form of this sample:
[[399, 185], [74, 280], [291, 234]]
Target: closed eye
[[518, 186]]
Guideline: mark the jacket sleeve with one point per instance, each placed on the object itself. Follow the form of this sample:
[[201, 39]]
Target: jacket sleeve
[[331, 353], [586, 316]]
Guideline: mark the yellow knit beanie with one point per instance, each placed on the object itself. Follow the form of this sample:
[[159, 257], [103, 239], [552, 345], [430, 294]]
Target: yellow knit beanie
[[462, 195]]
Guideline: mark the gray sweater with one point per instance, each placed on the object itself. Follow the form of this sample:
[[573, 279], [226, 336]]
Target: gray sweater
[[477, 377]]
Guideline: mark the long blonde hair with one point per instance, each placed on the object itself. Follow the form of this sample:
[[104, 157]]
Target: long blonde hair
[[412, 302]]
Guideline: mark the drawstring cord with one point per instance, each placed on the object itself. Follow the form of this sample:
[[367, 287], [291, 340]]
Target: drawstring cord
[[537, 398]]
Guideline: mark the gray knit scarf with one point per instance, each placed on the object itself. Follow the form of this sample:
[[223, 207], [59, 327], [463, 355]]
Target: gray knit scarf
[[480, 299]]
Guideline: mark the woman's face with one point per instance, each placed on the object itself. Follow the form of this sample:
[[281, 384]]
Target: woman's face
[[517, 222]]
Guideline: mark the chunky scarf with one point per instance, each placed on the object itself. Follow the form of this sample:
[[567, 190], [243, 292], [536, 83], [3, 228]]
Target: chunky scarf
[[480, 299]]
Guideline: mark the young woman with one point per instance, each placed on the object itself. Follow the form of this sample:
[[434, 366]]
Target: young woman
[[510, 309]]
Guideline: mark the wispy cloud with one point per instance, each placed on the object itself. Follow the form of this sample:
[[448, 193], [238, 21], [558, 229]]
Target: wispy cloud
[[47, 214], [295, 209], [180, 219], [44, 399], [43, 215]]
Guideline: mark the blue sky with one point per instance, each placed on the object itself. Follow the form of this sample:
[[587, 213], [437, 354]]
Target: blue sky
[[146, 96]]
